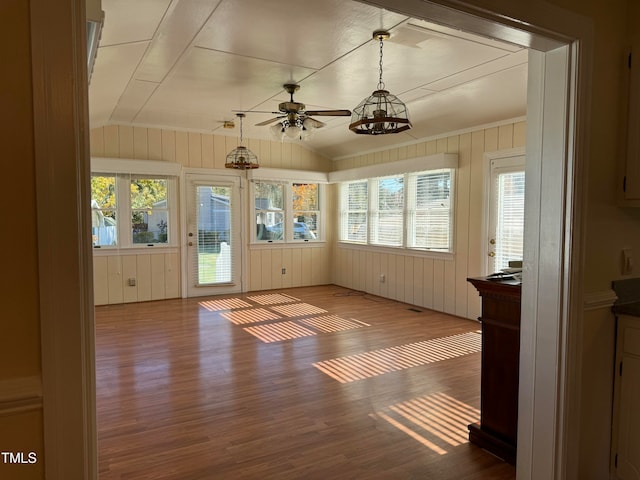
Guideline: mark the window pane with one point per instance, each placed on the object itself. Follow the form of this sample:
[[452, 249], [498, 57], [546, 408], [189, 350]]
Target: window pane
[[269, 210], [269, 196], [357, 196], [389, 229], [306, 211], [305, 197], [213, 215], [269, 225], [510, 219], [149, 226], [388, 220], [357, 227], [431, 215], [148, 193], [391, 193], [353, 225], [305, 226], [149, 211], [103, 210]]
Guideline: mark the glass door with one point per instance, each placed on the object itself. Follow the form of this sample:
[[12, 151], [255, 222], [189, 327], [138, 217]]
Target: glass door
[[506, 213], [213, 235]]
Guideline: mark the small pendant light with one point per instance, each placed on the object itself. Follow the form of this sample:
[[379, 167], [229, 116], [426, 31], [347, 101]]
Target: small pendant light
[[241, 157], [381, 112]]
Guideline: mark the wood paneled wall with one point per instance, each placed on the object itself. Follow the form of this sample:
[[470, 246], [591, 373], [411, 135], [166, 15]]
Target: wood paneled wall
[[197, 150], [158, 275], [431, 282], [304, 266]]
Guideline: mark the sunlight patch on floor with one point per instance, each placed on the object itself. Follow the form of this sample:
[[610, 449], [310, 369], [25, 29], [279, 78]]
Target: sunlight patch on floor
[[378, 362], [251, 315], [224, 304], [277, 332], [297, 309], [273, 298], [333, 323], [437, 421]]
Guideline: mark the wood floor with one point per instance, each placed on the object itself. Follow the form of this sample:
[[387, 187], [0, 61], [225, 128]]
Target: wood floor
[[313, 383]]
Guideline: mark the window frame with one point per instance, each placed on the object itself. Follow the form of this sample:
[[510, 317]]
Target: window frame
[[408, 211], [124, 210], [288, 210]]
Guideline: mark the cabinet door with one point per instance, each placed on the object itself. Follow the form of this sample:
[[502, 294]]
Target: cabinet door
[[628, 441], [629, 433]]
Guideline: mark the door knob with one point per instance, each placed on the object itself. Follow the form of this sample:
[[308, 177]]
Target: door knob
[[492, 254], [492, 241], [190, 234], [191, 244]]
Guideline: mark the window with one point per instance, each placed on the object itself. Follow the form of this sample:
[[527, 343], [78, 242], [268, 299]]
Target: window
[[387, 213], [287, 212], [103, 211], [411, 210], [132, 211], [429, 211], [306, 210], [149, 210], [353, 215]]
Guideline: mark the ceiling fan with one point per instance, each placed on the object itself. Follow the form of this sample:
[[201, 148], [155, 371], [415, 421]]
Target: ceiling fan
[[295, 114]]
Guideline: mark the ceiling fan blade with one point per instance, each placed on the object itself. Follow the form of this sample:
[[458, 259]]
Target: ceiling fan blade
[[329, 113], [256, 111], [314, 123], [267, 122]]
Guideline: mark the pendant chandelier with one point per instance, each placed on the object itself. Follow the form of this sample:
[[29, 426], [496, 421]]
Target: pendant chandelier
[[381, 112], [241, 158]]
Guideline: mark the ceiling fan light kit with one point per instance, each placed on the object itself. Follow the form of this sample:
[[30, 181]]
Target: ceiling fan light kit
[[241, 158], [381, 112], [295, 120]]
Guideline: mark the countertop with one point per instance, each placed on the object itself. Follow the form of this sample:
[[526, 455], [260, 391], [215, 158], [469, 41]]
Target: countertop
[[628, 292]]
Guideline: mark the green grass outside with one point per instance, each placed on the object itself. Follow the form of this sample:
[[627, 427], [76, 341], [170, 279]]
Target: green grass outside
[[207, 267]]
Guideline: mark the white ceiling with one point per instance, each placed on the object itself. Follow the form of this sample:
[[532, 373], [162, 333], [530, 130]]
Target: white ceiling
[[188, 64]]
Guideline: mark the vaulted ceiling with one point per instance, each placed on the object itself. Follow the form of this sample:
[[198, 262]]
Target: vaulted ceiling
[[189, 64]]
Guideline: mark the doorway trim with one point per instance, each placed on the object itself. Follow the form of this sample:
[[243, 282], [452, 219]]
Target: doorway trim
[[237, 227], [65, 262], [59, 53]]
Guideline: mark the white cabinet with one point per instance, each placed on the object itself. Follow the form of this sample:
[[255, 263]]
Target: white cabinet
[[626, 431]]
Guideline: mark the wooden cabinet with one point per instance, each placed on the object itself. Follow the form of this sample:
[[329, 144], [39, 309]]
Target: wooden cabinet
[[498, 428], [626, 430]]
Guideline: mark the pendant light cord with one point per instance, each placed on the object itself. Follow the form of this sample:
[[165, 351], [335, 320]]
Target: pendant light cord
[[380, 82], [241, 116]]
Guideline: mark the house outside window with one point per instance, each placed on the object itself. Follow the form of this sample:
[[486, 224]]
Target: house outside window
[[287, 211], [132, 211]]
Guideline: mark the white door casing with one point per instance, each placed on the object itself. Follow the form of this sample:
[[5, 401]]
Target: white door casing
[[495, 164], [213, 243]]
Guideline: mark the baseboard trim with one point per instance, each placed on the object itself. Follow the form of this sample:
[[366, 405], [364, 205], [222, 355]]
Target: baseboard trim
[[19, 395], [598, 300]]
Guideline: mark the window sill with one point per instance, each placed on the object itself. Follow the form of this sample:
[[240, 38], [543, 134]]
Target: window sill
[[282, 245], [409, 252], [146, 250]]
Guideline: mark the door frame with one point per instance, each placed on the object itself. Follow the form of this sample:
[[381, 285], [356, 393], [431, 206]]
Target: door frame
[[206, 175], [61, 146]]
